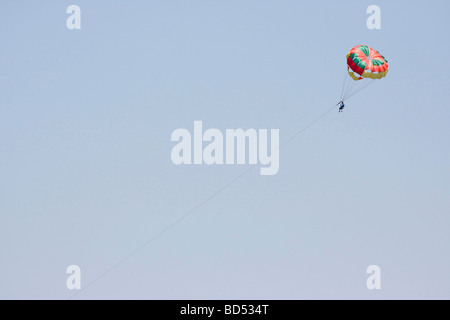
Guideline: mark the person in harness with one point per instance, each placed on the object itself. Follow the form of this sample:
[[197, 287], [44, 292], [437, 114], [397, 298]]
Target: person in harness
[[342, 105]]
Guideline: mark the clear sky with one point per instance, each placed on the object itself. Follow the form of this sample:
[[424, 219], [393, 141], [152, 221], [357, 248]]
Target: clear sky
[[86, 175]]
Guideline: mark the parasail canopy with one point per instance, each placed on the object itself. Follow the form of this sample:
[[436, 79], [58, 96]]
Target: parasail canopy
[[365, 62]]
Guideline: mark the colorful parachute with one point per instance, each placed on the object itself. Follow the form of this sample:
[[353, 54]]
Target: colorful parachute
[[363, 62], [366, 62]]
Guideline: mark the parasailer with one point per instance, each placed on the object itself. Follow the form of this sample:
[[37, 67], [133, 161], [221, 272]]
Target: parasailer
[[363, 62]]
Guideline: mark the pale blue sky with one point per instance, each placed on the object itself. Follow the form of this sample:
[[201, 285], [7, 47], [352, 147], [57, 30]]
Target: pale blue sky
[[86, 175]]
